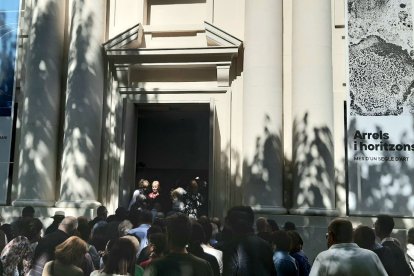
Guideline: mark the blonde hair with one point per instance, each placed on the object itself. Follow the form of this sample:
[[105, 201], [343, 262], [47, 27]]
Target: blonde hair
[[71, 251]]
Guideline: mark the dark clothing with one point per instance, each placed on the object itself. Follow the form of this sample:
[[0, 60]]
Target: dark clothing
[[199, 252], [144, 255], [193, 204], [94, 221], [302, 262], [387, 259], [45, 250], [248, 255], [52, 228], [267, 236], [175, 264], [400, 264]]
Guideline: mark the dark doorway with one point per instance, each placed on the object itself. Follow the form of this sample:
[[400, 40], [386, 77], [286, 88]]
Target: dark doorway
[[173, 147]]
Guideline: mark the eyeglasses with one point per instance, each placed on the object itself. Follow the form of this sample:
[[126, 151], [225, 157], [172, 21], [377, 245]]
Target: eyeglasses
[[326, 235]]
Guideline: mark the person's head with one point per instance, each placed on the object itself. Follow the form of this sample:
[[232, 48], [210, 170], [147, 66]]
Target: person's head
[[121, 213], [155, 186], [364, 237], [197, 234], [273, 225], [146, 216], [58, 216], [297, 242], [153, 230], [281, 241], [158, 243], [28, 212], [124, 227], [83, 229], [262, 225], [29, 228], [178, 231], [339, 231], [217, 222], [71, 251], [383, 226], [69, 225], [240, 219], [410, 236], [207, 227], [193, 186], [121, 257], [133, 239], [289, 226], [178, 194], [102, 212], [143, 184]]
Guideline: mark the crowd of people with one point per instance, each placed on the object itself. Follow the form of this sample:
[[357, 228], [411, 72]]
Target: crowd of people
[[139, 241], [189, 201]]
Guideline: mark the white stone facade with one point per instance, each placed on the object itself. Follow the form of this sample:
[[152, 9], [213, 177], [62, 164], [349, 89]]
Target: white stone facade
[[273, 73]]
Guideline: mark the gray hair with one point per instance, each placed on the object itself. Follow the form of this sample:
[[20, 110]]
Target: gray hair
[[124, 227], [69, 225]]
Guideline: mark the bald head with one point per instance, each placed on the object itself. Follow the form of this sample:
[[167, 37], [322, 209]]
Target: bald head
[[69, 225]]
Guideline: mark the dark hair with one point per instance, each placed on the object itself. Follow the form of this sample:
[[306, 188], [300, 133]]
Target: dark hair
[[282, 240], [178, 230], [364, 237], [240, 219], [207, 227], [28, 211], [154, 229], [289, 226], [121, 258], [84, 229], [159, 241], [27, 227], [121, 213], [161, 223], [273, 225], [385, 224], [341, 229], [197, 233], [101, 211], [261, 224], [217, 222], [297, 241], [146, 216], [410, 236]]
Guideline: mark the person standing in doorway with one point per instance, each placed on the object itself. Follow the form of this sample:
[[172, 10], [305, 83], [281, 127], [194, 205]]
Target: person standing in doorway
[[193, 200], [154, 195], [139, 197]]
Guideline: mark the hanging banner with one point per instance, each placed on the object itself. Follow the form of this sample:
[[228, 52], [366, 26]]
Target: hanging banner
[[380, 131], [9, 22]]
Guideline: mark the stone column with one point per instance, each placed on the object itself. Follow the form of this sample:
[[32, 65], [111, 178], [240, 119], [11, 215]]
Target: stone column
[[263, 106], [312, 111], [38, 149], [83, 110]]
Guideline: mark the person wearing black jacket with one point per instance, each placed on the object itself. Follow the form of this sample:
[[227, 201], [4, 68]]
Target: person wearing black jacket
[[197, 236], [383, 228], [244, 253], [45, 250]]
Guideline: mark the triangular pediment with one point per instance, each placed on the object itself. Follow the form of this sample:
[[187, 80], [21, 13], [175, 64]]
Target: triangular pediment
[[148, 50], [134, 37]]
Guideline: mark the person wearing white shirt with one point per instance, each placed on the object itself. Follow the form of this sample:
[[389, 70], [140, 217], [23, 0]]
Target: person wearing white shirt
[[345, 257]]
